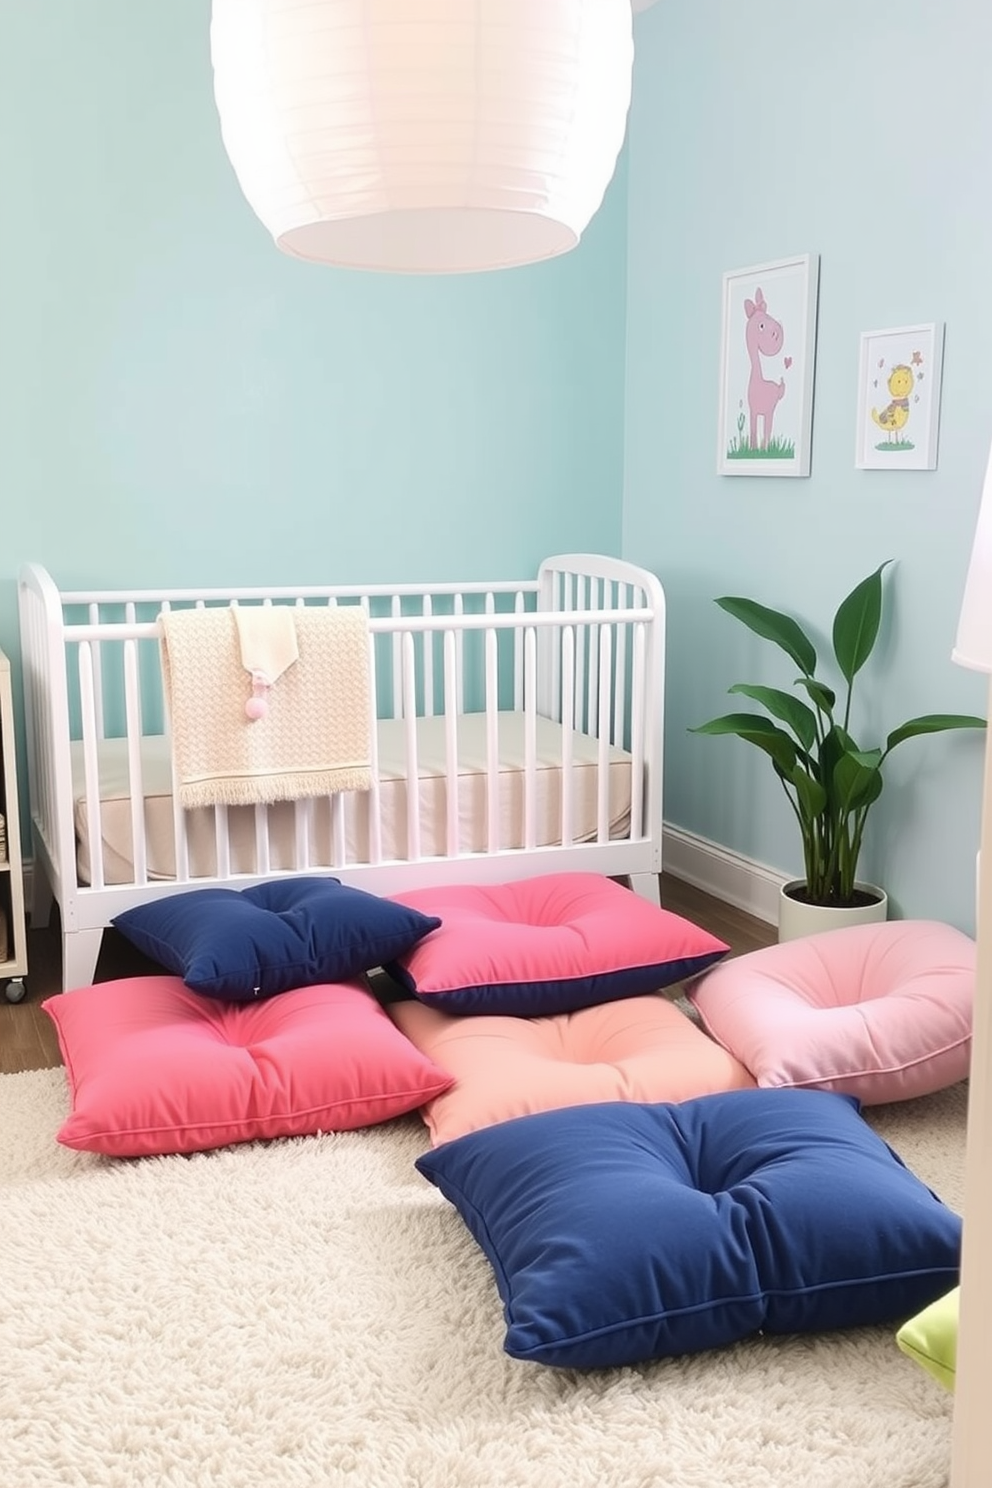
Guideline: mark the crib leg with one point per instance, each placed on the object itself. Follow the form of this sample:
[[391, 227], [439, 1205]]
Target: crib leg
[[647, 885], [80, 950], [42, 899]]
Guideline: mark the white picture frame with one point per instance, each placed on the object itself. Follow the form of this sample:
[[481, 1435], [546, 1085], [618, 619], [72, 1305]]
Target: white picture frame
[[767, 359], [899, 377]]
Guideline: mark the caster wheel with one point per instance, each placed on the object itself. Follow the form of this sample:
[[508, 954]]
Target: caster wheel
[[15, 990]]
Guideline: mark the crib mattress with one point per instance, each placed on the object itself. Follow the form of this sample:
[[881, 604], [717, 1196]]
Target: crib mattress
[[284, 818]]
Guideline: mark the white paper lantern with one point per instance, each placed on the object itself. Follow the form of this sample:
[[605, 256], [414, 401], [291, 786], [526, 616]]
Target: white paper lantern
[[427, 136]]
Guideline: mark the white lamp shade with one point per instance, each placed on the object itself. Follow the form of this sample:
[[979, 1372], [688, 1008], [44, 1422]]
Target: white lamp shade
[[973, 647], [426, 136]]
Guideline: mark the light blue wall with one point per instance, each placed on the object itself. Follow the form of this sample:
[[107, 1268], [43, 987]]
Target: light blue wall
[[180, 402], [758, 132]]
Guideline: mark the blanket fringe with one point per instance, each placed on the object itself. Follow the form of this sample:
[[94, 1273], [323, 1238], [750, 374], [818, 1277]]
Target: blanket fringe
[[243, 790]]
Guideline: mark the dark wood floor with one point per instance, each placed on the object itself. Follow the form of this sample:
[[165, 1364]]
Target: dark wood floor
[[27, 1034]]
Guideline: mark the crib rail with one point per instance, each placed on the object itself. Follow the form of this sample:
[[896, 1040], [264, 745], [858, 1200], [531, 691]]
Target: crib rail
[[581, 647]]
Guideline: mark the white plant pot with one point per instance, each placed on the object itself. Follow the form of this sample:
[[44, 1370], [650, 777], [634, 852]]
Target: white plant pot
[[796, 918]]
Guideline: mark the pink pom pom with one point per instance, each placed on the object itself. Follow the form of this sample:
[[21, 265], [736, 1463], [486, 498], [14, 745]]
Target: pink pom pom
[[256, 707]]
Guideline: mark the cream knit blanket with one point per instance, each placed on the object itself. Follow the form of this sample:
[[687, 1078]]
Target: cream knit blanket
[[315, 736]]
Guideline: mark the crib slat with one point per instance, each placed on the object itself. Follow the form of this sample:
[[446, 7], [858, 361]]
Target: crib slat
[[222, 826], [302, 834], [492, 745], [427, 653], [581, 657], [135, 776], [451, 776], [459, 610], [412, 762], [337, 851], [398, 638], [621, 597], [549, 651], [603, 728], [637, 726], [489, 607], [591, 715], [263, 861], [518, 654], [97, 669], [91, 764], [373, 805], [529, 680], [567, 707], [222, 841], [179, 836]]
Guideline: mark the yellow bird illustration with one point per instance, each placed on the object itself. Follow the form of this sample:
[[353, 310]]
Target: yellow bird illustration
[[894, 415]]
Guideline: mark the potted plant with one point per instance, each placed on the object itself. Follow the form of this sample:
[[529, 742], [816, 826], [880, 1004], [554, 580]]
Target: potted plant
[[831, 782]]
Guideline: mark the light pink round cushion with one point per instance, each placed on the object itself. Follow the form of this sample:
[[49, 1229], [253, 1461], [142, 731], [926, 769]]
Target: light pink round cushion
[[634, 1049], [881, 1012]]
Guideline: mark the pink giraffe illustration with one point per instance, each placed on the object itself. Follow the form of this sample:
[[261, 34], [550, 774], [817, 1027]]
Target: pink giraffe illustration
[[764, 338]]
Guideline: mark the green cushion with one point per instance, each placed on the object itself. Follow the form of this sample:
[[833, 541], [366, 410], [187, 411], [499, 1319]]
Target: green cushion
[[931, 1338]]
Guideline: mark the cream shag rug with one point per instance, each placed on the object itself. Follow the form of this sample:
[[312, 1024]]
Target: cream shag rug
[[311, 1313]]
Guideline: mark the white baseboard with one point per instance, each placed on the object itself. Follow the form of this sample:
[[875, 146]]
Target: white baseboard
[[747, 885]]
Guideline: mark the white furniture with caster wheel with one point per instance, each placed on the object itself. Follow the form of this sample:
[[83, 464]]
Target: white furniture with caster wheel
[[13, 937]]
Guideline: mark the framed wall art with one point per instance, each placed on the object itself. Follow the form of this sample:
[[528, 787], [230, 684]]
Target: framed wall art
[[899, 397], [767, 355]]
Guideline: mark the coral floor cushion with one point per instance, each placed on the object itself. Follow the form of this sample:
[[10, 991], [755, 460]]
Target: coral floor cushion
[[639, 1049], [881, 1012], [156, 1068], [548, 944], [625, 1232]]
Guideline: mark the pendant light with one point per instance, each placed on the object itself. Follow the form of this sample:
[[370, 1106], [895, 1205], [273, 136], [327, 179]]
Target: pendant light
[[423, 136]]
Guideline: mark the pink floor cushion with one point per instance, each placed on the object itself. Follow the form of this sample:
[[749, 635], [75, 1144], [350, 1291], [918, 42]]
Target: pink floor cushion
[[156, 1068], [636, 1049], [548, 944], [881, 1012]]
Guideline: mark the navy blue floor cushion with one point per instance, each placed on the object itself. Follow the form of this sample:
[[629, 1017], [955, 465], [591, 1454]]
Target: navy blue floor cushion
[[240, 945], [624, 1232]]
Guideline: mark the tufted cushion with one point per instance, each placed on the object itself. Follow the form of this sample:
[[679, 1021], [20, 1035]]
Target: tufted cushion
[[881, 1012], [285, 933], [546, 945], [637, 1049], [154, 1068], [624, 1232]]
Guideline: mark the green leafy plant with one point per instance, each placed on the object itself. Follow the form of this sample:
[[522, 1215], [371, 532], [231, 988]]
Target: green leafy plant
[[830, 781]]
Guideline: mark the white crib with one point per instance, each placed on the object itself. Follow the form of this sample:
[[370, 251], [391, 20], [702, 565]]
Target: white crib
[[518, 730]]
